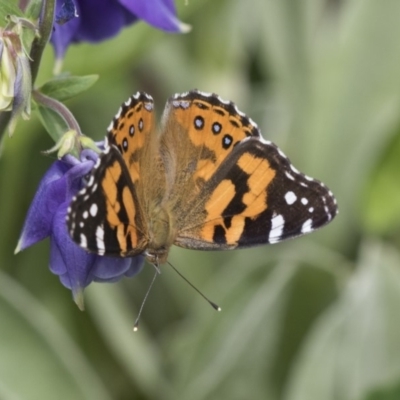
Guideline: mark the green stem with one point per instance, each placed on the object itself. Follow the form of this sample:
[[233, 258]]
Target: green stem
[[45, 29], [5, 117], [59, 108]]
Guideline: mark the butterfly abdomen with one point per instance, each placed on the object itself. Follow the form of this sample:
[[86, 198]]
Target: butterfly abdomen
[[162, 233]]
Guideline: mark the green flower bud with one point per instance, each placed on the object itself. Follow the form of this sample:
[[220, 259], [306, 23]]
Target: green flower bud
[[15, 77]]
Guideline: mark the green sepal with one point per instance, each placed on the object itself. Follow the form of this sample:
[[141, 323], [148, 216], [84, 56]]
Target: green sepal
[[67, 144], [72, 143], [64, 87], [53, 123]]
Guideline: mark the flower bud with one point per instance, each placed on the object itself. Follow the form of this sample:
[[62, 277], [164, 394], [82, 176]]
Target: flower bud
[[15, 77]]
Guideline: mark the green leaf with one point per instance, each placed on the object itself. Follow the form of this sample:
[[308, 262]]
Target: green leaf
[[382, 196], [222, 355], [52, 121], [64, 87], [135, 351], [391, 392], [355, 348], [38, 358]]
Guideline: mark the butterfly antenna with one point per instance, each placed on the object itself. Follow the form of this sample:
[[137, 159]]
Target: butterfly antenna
[[136, 324], [212, 304]]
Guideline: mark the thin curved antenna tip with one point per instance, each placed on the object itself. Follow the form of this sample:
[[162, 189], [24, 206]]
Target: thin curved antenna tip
[[211, 303], [136, 324], [215, 306]]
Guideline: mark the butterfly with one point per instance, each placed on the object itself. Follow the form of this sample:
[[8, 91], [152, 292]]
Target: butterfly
[[205, 180]]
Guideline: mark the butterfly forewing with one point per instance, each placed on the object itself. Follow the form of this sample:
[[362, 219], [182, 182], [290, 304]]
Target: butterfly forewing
[[200, 131], [105, 217], [131, 131]]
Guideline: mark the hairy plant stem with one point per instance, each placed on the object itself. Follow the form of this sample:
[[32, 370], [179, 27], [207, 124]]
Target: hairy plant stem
[[39, 43], [59, 108]]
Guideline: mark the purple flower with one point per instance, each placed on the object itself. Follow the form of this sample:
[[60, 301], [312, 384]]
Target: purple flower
[[46, 217], [96, 20]]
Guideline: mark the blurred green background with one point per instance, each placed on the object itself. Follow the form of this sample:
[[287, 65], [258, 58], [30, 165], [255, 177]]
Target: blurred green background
[[314, 318]]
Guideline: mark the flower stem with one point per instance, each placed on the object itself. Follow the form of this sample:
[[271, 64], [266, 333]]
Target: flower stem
[[58, 108], [5, 117], [39, 43]]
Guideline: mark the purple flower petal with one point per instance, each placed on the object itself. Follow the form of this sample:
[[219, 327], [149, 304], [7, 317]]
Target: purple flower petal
[[77, 262], [101, 19], [75, 267], [64, 34], [65, 12], [50, 193], [102, 23], [55, 187], [158, 13], [110, 269]]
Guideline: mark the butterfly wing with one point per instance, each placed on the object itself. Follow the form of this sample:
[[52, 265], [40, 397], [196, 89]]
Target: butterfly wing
[[258, 197], [239, 190], [199, 130], [107, 216]]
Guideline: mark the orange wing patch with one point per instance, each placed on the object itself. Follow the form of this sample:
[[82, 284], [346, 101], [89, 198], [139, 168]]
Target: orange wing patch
[[228, 208], [214, 127], [126, 232]]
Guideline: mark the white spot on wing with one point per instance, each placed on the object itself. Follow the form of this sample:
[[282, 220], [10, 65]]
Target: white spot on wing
[[253, 123], [311, 209], [85, 215], [100, 240], [118, 113], [148, 106], [281, 153], [277, 224], [93, 210], [307, 226], [289, 176], [290, 198], [83, 241], [304, 201], [205, 94]]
